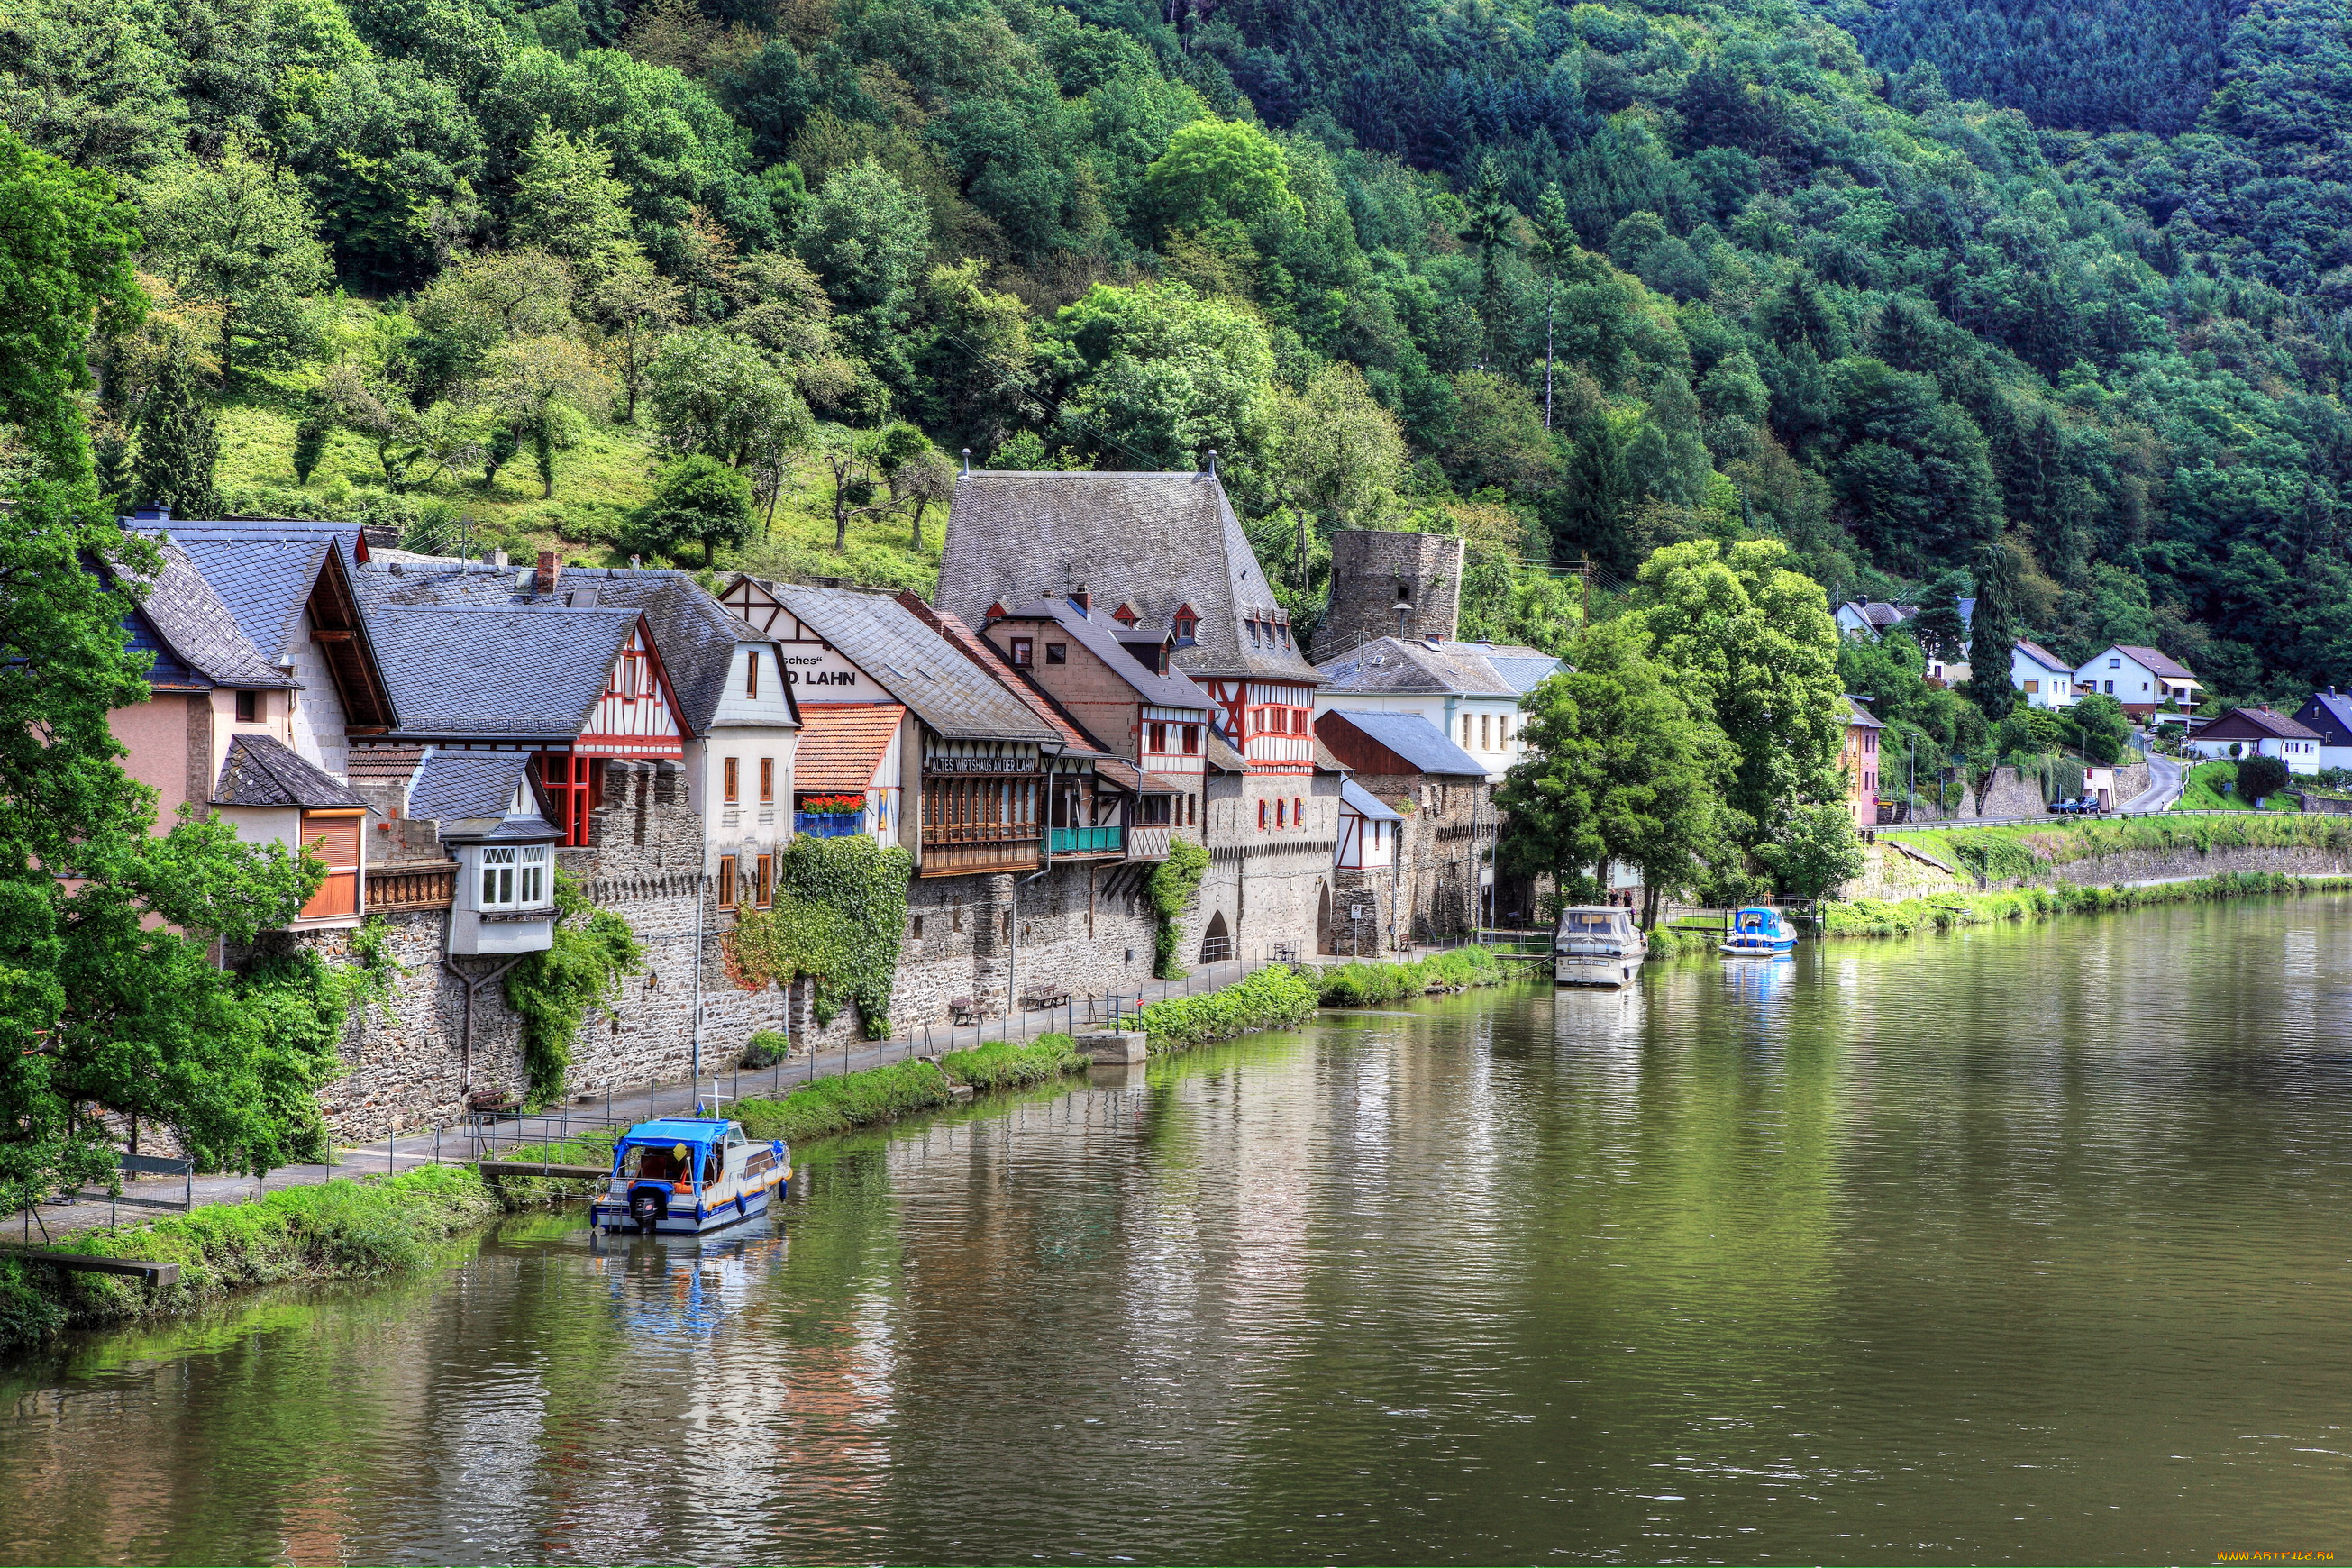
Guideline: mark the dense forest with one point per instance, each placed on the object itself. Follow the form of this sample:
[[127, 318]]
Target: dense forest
[[737, 280]]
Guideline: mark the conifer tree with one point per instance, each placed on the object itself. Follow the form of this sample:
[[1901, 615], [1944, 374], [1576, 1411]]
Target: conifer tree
[[179, 443], [1993, 631]]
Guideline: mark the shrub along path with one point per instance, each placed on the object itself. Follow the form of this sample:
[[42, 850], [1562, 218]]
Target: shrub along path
[[561, 1124]]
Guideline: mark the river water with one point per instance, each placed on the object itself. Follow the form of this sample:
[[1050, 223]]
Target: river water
[[2022, 1245]]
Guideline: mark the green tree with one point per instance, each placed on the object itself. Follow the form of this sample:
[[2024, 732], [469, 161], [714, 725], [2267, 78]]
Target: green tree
[[2102, 729], [865, 235], [697, 499], [1555, 241], [1993, 631], [567, 204], [238, 236], [1618, 767], [545, 388], [633, 308], [1753, 645], [2260, 777], [1217, 169], [1489, 230], [1815, 851], [1155, 377], [310, 435], [111, 1001], [179, 442], [1937, 627]]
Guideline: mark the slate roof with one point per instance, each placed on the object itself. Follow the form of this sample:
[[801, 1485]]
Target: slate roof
[[1364, 803], [1859, 717], [262, 770], [518, 674], [2330, 713], [1403, 665], [2044, 657], [2256, 724], [943, 685], [1222, 755], [2157, 663], [1076, 742], [1155, 541], [1415, 739], [264, 582], [840, 744], [193, 622], [1098, 635], [468, 792]]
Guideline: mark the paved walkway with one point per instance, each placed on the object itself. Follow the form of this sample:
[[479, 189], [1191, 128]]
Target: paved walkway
[[461, 1144], [2164, 784]]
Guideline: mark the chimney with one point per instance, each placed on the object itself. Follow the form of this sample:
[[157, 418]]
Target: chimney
[[151, 512], [544, 579], [967, 459], [1084, 602]]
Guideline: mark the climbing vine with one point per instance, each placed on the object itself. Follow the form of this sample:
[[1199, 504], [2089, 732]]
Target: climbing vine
[[552, 991], [1174, 887], [838, 917]]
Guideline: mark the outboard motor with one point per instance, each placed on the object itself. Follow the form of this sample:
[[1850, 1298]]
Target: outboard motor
[[648, 1205]]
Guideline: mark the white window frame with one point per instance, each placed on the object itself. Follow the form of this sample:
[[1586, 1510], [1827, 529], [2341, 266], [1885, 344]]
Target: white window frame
[[514, 877]]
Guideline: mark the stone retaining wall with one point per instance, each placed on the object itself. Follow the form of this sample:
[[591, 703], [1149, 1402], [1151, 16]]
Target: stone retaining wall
[[1889, 874]]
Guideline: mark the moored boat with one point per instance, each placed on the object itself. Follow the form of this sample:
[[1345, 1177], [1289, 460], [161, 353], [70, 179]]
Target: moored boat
[[681, 1176], [1759, 932], [1596, 945]]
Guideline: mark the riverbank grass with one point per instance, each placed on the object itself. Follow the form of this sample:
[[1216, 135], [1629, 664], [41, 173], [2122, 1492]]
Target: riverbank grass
[[337, 1230], [1943, 911], [1278, 997], [1366, 985], [2000, 853]]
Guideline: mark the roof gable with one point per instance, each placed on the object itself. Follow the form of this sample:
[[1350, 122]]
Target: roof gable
[[187, 619], [2035, 652], [2329, 713], [262, 770], [1151, 542], [2253, 725], [1093, 632], [947, 689], [521, 674]]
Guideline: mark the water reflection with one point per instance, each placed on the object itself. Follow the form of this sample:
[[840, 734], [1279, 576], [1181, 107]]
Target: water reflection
[[2024, 1243]]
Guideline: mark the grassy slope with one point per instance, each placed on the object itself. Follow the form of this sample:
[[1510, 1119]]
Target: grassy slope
[[2202, 791], [596, 484], [2004, 851]]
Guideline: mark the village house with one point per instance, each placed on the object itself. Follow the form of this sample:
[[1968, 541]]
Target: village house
[[1443, 872], [1167, 556], [1469, 691], [2259, 732], [2043, 678], [1874, 618], [2140, 678], [2328, 715], [1858, 757], [1027, 882]]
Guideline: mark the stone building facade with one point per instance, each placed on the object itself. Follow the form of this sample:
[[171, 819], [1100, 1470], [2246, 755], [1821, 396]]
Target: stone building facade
[[1445, 855], [1269, 883]]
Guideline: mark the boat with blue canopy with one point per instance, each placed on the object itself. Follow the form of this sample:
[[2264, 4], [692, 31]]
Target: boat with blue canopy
[[1759, 932], [683, 1176]]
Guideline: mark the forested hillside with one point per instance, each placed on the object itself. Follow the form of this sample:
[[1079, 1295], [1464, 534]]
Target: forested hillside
[[736, 280]]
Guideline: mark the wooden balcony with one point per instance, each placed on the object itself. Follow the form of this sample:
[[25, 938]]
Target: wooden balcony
[[1088, 842], [398, 888], [961, 856], [1147, 843]]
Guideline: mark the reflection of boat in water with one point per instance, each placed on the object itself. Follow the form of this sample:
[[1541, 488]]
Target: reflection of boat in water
[[1596, 945], [1589, 1018], [678, 1176], [691, 1287], [1758, 981], [1759, 932]]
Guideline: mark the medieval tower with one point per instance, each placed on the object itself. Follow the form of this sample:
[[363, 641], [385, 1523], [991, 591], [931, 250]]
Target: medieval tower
[[1391, 584]]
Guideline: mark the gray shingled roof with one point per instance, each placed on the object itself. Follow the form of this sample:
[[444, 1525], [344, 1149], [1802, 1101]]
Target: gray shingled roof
[[944, 687], [262, 770], [466, 793], [1400, 665], [1415, 739], [264, 582], [2156, 663], [520, 674], [1364, 803], [1098, 635], [195, 623], [1154, 540], [1857, 715], [2044, 657]]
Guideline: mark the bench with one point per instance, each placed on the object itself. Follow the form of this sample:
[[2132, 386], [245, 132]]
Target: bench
[[1044, 996], [963, 1010], [153, 1273]]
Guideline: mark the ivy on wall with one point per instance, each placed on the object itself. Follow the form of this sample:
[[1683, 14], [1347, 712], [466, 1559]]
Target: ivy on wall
[[552, 991], [1174, 887], [839, 917]]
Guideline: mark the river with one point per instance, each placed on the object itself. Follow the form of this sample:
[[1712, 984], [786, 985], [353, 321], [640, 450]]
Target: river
[[2020, 1244]]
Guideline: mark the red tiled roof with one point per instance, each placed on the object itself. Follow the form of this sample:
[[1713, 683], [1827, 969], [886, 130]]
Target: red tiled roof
[[1075, 742], [842, 744]]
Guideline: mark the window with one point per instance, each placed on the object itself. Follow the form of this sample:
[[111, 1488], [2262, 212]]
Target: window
[[751, 675], [1466, 731], [531, 888], [1281, 813], [915, 927], [1057, 653], [727, 883], [2115, 664], [2032, 687], [762, 878], [630, 681], [1155, 737], [514, 877], [1191, 739], [1261, 816], [1503, 729], [249, 707], [731, 782], [575, 785], [1021, 647], [1486, 733], [2111, 688], [1297, 811], [1188, 629], [767, 779]]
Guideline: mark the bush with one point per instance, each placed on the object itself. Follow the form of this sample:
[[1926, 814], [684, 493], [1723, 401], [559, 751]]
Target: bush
[[2259, 777], [766, 1048], [1006, 1066], [839, 1104], [1363, 984], [1273, 998]]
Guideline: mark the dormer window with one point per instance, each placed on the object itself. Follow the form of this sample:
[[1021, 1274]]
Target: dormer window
[[1125, 614], [1187, 627], [1020, 652], [514, 877]]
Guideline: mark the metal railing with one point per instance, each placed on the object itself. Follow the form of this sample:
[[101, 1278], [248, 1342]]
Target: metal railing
[[829, 824]]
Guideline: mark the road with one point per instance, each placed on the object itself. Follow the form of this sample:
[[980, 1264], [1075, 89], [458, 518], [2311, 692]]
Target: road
[[2164, 777]]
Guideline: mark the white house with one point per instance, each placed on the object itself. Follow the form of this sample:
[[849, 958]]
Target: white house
[[2141, 678], [2042, 677], [2259, 731], [1468, 691], [1858, 619]]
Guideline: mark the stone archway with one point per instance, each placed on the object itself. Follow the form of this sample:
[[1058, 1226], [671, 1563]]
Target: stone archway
[[1217, 942]]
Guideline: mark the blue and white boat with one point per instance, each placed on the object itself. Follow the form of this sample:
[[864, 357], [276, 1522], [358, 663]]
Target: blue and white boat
[[681, 1176], [1759, 932]]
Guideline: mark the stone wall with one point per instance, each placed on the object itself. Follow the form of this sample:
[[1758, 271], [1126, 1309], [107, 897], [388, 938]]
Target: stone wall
[[1449, 830], [1264, 887], [408, 1060], [2324, 805], [1889, 874]]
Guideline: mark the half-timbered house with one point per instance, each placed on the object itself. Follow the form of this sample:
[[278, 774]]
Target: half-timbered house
[[1165, 559]]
